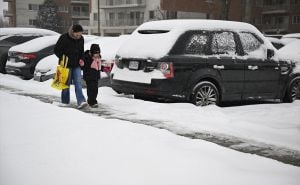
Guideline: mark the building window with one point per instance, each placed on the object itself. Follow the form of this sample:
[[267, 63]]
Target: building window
[[259, 3], [295, 1], [33, 22], [268, 2], [80, 11], [95, 16], [296, 19], [63, 9], [257, 21], [121, 18], [151, 14], [109, 2], [33, 7]]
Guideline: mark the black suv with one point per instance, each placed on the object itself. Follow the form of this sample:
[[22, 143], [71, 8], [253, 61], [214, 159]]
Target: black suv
[[204, 62]]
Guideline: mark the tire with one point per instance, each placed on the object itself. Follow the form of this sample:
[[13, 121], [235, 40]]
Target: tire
[[293, 91], [3, 63], [205, 93]]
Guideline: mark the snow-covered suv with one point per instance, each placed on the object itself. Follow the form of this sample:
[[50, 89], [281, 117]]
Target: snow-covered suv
[[203, 61]]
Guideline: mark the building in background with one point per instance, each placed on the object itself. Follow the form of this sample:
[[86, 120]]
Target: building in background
[[269, 16], [277, 16], [23, 13], [115, 17], [123, 16]]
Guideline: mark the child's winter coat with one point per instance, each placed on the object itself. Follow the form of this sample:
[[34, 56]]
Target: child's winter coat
[[89, 72]]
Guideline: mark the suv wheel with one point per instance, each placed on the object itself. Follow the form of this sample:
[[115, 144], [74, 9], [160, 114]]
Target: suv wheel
[[205, 93], [293, 91]]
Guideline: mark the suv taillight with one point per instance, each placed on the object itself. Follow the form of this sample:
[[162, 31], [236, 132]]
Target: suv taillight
[[167, 69], [23, 56]]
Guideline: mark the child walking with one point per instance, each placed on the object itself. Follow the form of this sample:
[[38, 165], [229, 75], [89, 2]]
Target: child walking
[[91, 66]]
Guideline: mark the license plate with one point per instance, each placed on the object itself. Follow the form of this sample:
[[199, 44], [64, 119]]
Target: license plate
[[12, 60], [133, 65]]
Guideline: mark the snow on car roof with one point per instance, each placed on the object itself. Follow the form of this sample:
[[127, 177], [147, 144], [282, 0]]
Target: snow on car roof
[[293, 47], [155, 39], [26, 31], [188, 24], [292, 35], [275, 40], [108, 45], [35, 44]]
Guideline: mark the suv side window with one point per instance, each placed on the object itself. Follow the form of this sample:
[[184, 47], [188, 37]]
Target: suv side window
[[223, 43], [196, 44], [249, 42], [192, 43]]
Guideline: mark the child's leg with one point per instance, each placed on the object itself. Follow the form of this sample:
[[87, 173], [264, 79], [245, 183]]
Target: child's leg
[[92, 91]]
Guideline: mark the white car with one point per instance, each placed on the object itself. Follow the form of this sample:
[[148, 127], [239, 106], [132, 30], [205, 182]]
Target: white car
[[288, 38], [291, 52], [109, 45], [277, 43], [23, 58]]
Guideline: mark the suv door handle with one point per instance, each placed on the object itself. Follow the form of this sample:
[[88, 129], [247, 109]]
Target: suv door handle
[[218, 67], [253, 67]]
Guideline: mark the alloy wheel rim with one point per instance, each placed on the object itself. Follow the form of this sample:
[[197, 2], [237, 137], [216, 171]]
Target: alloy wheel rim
[[295, 92], [206, 95]]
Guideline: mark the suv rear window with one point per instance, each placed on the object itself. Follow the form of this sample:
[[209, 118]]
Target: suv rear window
[[153, 31]]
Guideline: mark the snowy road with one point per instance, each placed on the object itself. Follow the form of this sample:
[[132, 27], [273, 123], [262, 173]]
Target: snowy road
[[253, 146]]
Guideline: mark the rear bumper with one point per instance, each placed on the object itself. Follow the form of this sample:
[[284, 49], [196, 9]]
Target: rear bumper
[[158, 88], [19, 69], [41, 77]]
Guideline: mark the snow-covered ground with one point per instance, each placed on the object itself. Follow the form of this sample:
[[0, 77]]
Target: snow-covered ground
[[45, 144]]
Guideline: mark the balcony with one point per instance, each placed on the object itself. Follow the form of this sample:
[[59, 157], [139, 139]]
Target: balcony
[[123, 4], [80, 15], [276, 9], [7, 13], [79, 1], [123, 22]]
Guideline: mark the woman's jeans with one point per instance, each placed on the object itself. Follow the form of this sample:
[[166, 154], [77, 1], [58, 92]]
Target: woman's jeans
[[75, 77]]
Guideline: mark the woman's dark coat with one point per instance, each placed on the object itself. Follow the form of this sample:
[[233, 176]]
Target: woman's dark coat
[[71, 47]]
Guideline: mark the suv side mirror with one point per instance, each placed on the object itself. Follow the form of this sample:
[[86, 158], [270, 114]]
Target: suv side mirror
[[270, 53]]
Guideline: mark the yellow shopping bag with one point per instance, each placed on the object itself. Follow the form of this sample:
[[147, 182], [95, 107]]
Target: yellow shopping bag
[[62, 74]]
